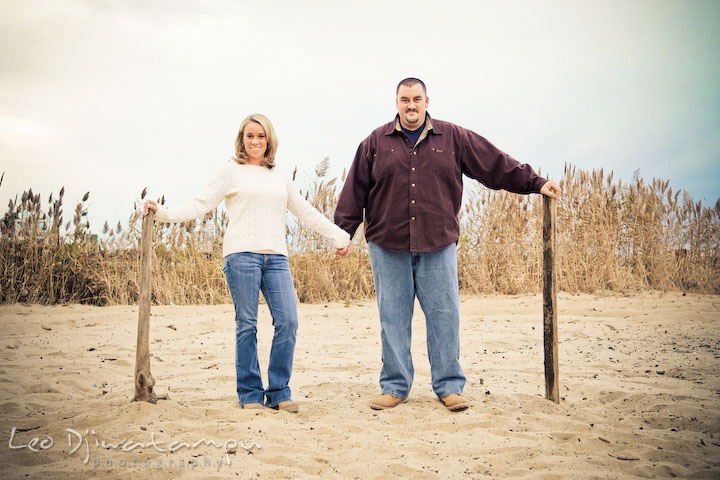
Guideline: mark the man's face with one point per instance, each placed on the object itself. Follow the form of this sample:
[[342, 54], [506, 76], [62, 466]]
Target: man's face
[[411, 106]]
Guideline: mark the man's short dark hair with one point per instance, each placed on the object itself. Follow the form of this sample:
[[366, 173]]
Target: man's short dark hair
[[409, 82]]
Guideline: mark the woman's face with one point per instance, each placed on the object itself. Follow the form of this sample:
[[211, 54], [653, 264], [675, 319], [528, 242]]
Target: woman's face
[[255, 142]]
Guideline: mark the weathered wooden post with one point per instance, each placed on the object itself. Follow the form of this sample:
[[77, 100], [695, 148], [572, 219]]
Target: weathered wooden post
[[552, 389], [144, 382]]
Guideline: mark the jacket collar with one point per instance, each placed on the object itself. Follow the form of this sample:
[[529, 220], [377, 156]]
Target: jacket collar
[[394, 126]]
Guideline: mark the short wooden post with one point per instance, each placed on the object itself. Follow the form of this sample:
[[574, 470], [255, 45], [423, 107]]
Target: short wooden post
[[552, 385], [144, 382]]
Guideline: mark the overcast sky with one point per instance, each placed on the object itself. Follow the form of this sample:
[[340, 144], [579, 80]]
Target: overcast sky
[[111, 96]]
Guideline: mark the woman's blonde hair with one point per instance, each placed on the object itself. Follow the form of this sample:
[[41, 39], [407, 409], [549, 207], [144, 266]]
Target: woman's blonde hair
[[272, 143]]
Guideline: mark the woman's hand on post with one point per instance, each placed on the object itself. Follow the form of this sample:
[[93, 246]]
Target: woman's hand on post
[[150, 205], [551, 189], [345, 251]]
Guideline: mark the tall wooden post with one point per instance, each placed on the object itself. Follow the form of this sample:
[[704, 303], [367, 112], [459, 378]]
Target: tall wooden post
[[552, 390], [144, 382]]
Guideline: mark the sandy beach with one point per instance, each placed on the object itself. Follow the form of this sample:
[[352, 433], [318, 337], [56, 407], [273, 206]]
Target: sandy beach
[[638, 379]]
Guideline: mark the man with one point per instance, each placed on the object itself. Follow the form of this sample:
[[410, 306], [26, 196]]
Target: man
[[407, 177]]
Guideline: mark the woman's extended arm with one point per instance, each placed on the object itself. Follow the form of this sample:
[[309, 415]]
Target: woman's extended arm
[[314, 219], [210, 198]]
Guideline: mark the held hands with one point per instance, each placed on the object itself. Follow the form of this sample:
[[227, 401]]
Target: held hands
[[551, 189], [150, 205], [345, 251]]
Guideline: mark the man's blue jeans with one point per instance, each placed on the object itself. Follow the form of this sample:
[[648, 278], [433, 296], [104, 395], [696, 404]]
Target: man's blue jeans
[[247, 274], [432, 277]]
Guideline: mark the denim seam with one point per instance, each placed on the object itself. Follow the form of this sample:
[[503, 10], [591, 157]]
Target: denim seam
[[395, 394], [263, 289]]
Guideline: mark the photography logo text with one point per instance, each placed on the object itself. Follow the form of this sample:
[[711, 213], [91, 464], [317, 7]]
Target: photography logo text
[[86, 444]]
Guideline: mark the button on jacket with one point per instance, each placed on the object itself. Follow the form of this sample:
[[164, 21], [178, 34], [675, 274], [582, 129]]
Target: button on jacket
[[411, 195]]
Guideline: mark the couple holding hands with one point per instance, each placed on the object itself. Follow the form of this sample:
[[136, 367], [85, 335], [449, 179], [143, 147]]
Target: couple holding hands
[[405, 183]]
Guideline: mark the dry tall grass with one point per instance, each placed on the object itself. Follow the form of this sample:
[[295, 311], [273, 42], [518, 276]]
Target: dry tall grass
[[612, 237]]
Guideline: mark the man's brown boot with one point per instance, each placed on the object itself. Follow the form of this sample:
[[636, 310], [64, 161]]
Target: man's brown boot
[[455, 402], [385, 401]]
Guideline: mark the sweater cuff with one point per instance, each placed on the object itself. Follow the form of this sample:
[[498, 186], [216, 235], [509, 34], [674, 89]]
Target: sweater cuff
[[162, 214], [341, 238]]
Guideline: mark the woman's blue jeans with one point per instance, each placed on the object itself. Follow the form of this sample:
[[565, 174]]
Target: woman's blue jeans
[[247, 274], [432, 277]]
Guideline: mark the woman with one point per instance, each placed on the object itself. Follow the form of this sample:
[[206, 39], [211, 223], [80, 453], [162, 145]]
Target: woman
[[255, 259]]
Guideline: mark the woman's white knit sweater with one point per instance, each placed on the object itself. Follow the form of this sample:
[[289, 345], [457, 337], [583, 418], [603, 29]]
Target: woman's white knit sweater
[[256, 199]]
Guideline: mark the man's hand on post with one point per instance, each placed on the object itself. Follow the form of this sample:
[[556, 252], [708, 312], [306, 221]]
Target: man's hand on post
[[551, 189]]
